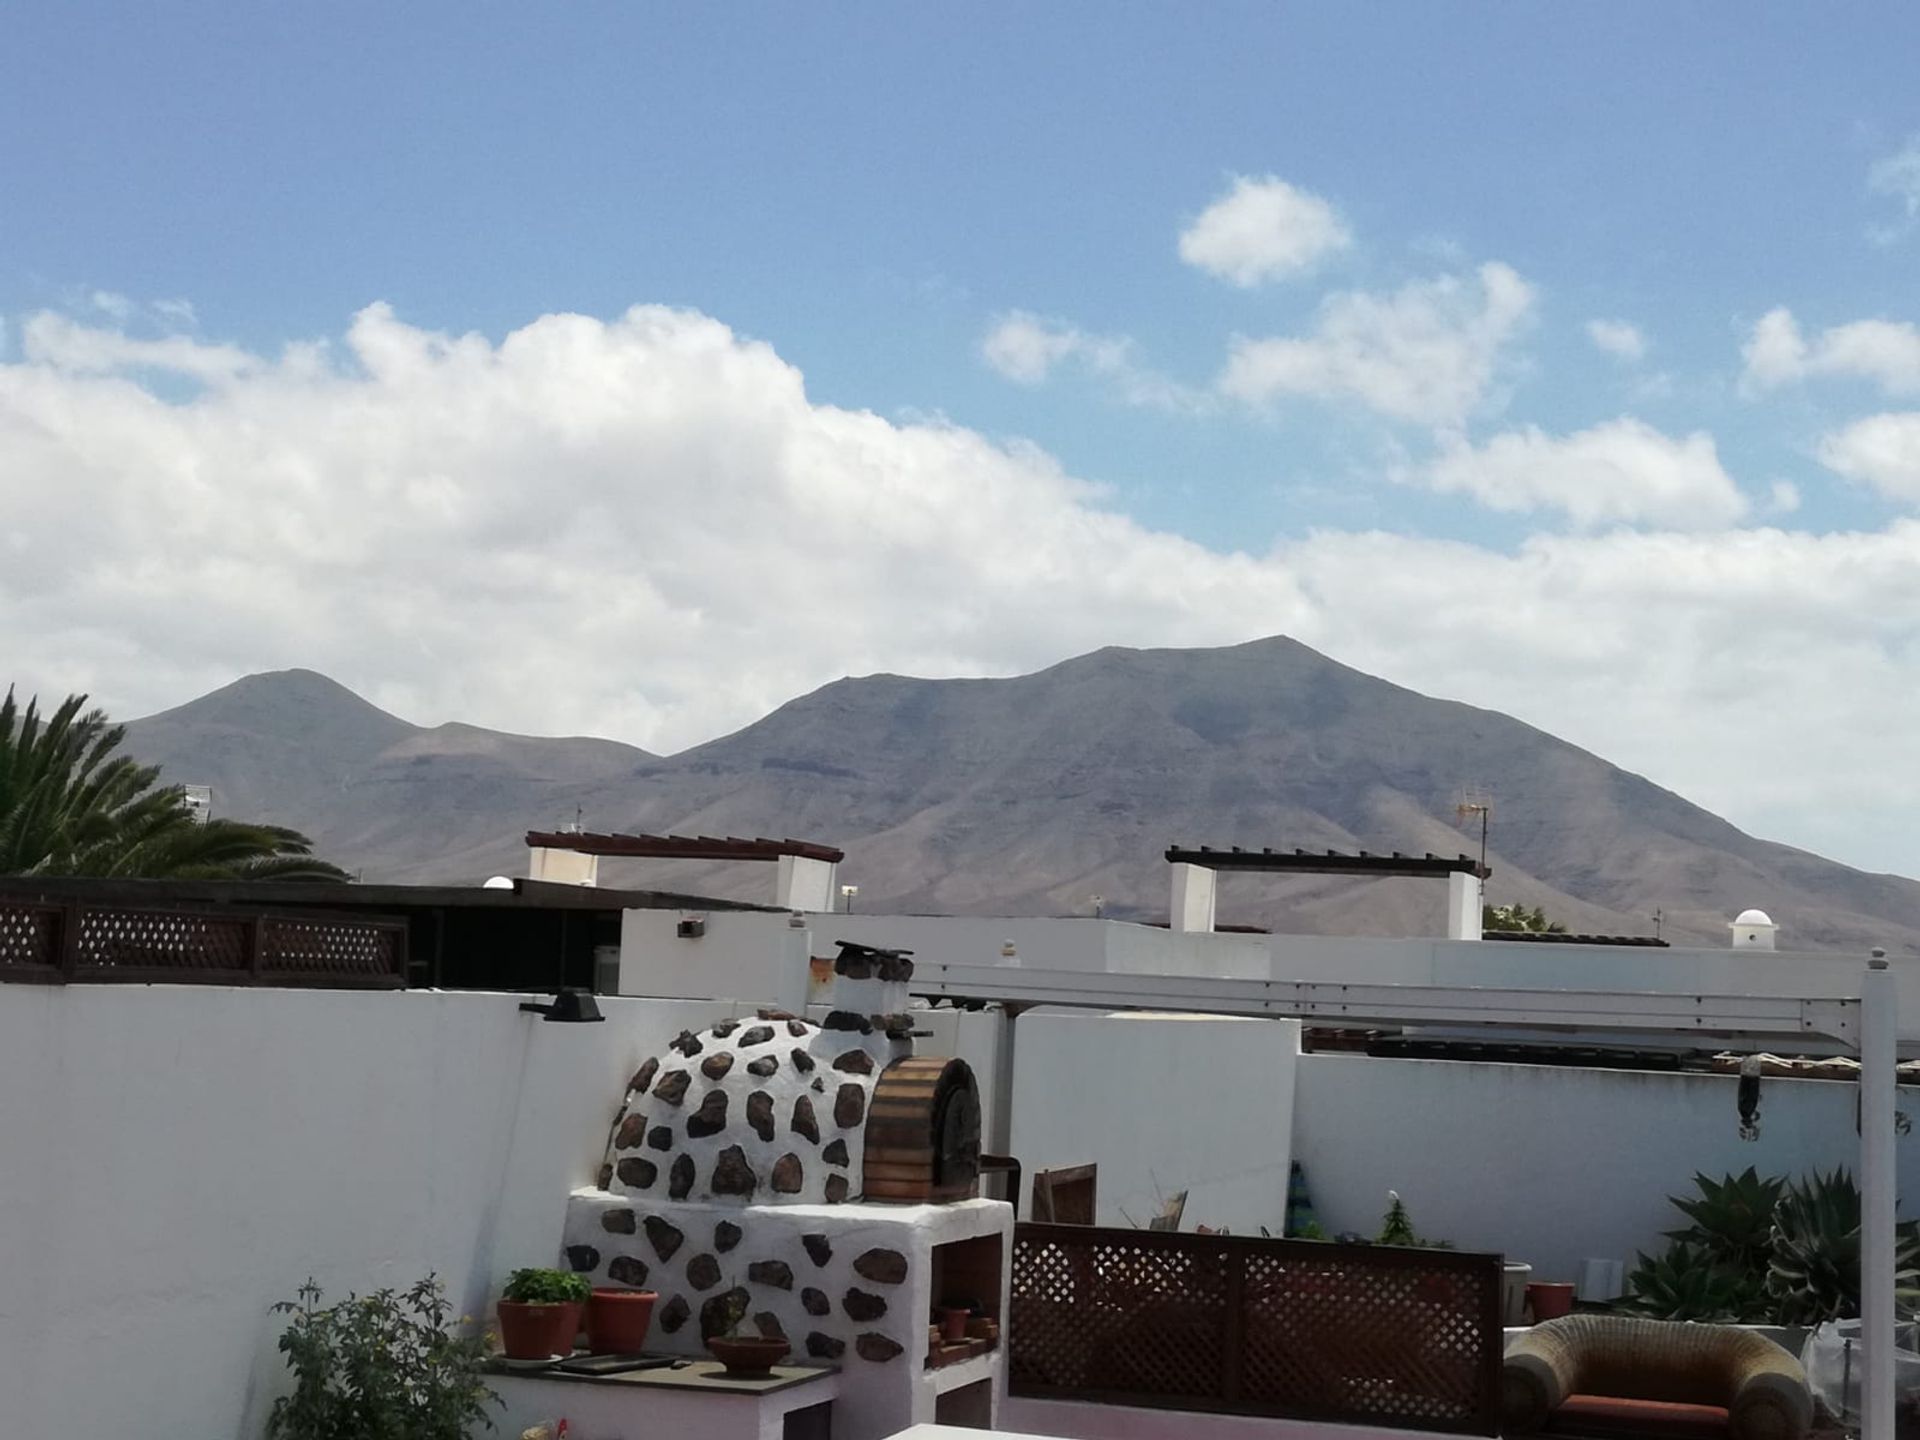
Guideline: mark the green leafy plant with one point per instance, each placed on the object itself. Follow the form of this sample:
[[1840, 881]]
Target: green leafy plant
[[385, 1366], [1688, 1283], [1732, 1218], [1396, 1228], [1814, 1268], [546, 1287]]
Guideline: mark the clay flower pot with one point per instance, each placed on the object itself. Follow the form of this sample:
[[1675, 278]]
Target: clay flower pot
[[1549, 1301], [748, 1357], [617, 1321], [537, 1332], [953, 1323]]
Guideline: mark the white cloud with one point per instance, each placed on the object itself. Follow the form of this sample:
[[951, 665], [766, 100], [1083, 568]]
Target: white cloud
[[112, 303], [63, 344], [1426, 353], [644, 528], [1618, 339], [1886, 352], [1622, 472], [1028, 349], [1897, 176], [1882, 451], [1263, 229]]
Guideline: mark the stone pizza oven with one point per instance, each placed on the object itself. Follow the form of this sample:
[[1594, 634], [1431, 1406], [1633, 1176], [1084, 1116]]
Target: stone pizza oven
[[822, 1172]]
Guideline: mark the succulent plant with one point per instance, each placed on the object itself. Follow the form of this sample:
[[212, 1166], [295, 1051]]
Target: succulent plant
[[1814, 1273], [1689, 1283], [1732, 1218]]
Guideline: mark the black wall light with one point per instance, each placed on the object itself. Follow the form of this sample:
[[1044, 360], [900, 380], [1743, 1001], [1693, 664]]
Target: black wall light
[[569, 1007]]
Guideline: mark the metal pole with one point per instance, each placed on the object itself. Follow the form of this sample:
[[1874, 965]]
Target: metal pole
[[1001, 1135], [1878, 1055]]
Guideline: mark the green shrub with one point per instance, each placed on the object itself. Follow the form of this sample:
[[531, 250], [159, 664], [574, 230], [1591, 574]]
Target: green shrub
[[383, 1366], [546, 1287]]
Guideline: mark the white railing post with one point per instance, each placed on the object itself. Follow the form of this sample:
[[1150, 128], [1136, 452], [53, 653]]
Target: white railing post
[[1878, 1055]]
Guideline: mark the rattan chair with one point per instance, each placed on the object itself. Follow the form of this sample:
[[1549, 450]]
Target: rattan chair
[[1760, 1386]]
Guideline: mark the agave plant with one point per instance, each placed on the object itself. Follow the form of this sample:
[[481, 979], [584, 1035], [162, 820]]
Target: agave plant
[[1732, 1218], [1689, 1283], [1815, 1270]]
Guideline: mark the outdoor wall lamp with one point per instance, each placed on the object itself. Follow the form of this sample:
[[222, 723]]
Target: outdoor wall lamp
[[570, 1007]]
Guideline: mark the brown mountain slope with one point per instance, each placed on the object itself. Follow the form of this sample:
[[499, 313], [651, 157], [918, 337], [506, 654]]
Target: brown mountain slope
[[1036, 793]]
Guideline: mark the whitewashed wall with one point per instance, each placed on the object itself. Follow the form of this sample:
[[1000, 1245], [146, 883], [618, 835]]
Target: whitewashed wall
[[1161, 1103], [175, 1159], [1551, 1165]]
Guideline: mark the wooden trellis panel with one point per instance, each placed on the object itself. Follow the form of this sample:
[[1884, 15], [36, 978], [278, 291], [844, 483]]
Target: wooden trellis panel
[[1363, 1334], [56, 944]]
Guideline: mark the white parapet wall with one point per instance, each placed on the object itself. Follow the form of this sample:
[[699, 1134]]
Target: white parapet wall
[[1161, 1103], [178, 1158], [1552, 1165]]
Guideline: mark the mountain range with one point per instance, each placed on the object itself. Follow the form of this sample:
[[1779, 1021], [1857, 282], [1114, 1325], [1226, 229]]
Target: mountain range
[[1047, 793]]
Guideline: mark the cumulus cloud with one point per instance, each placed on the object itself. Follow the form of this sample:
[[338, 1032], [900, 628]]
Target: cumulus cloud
[[1886, 352], [1882, 451], [1622, 472], [643, 527], [1618, 339], [1263, 229], [1028, 349], [1426, 353]]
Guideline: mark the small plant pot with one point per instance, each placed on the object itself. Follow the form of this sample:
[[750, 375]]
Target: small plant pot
[[617, 1321], [953, 1323], [537, 1332], [748, 1357], [1549, 1301]]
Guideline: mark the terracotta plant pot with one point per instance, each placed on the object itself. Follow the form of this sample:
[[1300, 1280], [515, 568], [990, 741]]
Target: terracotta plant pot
[[617, 1321], [1549, 1301], [748, 1357], [953, 1323], [537, 1332]]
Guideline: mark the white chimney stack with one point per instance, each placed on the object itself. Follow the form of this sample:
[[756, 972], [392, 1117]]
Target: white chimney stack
[[1753, 930]]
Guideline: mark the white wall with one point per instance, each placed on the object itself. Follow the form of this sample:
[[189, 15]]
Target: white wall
[[751, 956], [1161, 1103], [1548, 1164], [176, 1159]]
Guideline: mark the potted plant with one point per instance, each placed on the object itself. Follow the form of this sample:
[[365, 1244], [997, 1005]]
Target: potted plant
[[745, 1357], [381, 1364], [540, 1313], [617, 1320]]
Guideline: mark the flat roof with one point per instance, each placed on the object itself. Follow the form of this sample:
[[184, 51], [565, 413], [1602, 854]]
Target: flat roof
[[681, 847], [1330, 862], [525, 895]]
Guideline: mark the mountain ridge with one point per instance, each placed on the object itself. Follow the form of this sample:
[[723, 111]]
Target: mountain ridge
[[1037, 793]]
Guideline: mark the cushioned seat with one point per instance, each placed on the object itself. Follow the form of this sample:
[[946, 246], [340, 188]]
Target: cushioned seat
[[1760, 1386]]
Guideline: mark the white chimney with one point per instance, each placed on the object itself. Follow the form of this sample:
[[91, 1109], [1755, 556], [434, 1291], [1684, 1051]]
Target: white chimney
[[1753, 930]]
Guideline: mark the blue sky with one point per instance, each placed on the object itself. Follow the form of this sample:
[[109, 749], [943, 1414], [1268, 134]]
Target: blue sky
[[863, 189], [877, 192]]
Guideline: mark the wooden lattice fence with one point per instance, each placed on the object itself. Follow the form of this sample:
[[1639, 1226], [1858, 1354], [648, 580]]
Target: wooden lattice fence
[[1365, 1334], [57, 944]]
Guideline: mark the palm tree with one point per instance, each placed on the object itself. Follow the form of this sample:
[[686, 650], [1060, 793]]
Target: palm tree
[[70, 806]]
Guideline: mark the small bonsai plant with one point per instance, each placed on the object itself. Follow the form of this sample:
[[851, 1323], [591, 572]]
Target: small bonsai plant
[[380, 1364], [540, 1312]]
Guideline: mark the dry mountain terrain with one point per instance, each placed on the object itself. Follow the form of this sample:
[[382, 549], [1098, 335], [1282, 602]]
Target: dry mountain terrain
[[1037, 793]]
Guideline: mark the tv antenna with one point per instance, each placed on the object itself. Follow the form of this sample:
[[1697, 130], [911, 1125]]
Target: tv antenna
[[1472, 803]]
